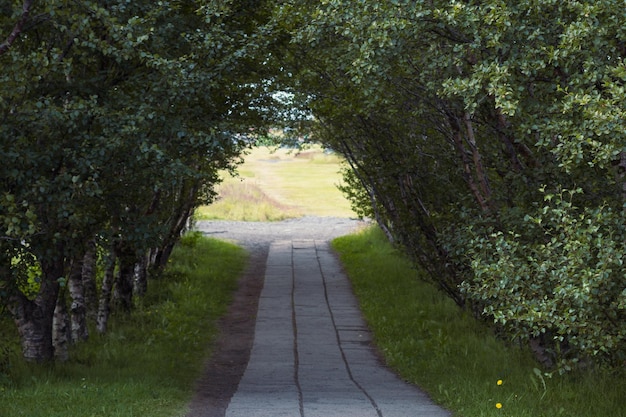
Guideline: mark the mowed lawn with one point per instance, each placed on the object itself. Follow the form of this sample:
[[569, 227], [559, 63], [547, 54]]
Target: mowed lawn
[[279, 184]]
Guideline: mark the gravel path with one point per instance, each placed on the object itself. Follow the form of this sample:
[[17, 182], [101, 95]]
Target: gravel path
[[253, 235]]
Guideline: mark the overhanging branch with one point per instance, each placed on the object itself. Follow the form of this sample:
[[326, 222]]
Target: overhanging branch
[[17, 29]]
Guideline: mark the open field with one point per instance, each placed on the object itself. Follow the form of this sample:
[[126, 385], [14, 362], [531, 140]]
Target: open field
[[279, 184]]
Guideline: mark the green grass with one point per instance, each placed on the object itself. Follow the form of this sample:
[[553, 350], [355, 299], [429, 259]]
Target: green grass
[[147, 364], [432, 343], [280, 184]]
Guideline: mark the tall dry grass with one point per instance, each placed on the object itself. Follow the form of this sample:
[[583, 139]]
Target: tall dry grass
[[280, 184], [245, 201]]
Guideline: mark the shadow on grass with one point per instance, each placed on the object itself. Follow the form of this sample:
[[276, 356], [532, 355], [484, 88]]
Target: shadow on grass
[[148, 362]]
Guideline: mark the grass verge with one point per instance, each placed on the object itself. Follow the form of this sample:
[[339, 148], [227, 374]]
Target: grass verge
[[146, 364], [432, 343]]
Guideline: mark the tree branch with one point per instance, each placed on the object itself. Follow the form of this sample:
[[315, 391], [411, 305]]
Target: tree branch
[[17, 29]]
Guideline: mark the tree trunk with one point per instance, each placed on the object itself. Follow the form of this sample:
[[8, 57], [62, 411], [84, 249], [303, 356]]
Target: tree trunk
[[163, 254], [33, 318], [61, 333], [473, 169], [140, 282], [89, 281], [19, 26], [104, 307], [152, 257], [621, 175], [367, 182], [182, 214], [123, 288], [503, 126], [78, 309]]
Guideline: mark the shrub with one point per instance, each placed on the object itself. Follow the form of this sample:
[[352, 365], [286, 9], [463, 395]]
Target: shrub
[[558, 280]]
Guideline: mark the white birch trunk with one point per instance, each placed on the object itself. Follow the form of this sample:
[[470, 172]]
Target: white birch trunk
[[78, 309], [34, 318], [61, 329], [104, 306], [89, 281], [140, 281]]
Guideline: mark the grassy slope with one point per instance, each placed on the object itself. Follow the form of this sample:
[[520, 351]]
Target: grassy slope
[[274, 185], [145, 366], [432, 343]]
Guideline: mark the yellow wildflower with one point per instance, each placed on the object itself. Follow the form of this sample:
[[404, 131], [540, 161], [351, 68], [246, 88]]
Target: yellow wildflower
[[498, 405], [499, 382]]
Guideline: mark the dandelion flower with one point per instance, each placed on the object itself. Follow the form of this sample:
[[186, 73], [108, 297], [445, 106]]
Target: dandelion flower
[[499, 382], [498, 405]]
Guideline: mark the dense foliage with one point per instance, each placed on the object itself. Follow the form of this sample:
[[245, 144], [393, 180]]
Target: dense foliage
[[486, 138], [116, 117]]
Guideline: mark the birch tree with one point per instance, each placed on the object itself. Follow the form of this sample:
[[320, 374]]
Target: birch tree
[[116, 117]]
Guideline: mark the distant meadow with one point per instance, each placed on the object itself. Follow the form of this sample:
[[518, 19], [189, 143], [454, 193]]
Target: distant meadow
[[277, 184]]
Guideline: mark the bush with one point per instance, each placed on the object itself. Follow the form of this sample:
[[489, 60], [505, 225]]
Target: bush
[[559, 280]]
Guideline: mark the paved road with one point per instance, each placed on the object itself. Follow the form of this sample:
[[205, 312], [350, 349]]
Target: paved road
[[311, 354]]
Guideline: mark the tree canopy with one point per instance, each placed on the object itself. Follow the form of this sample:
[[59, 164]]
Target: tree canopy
[[116, 117], [486, 138]]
